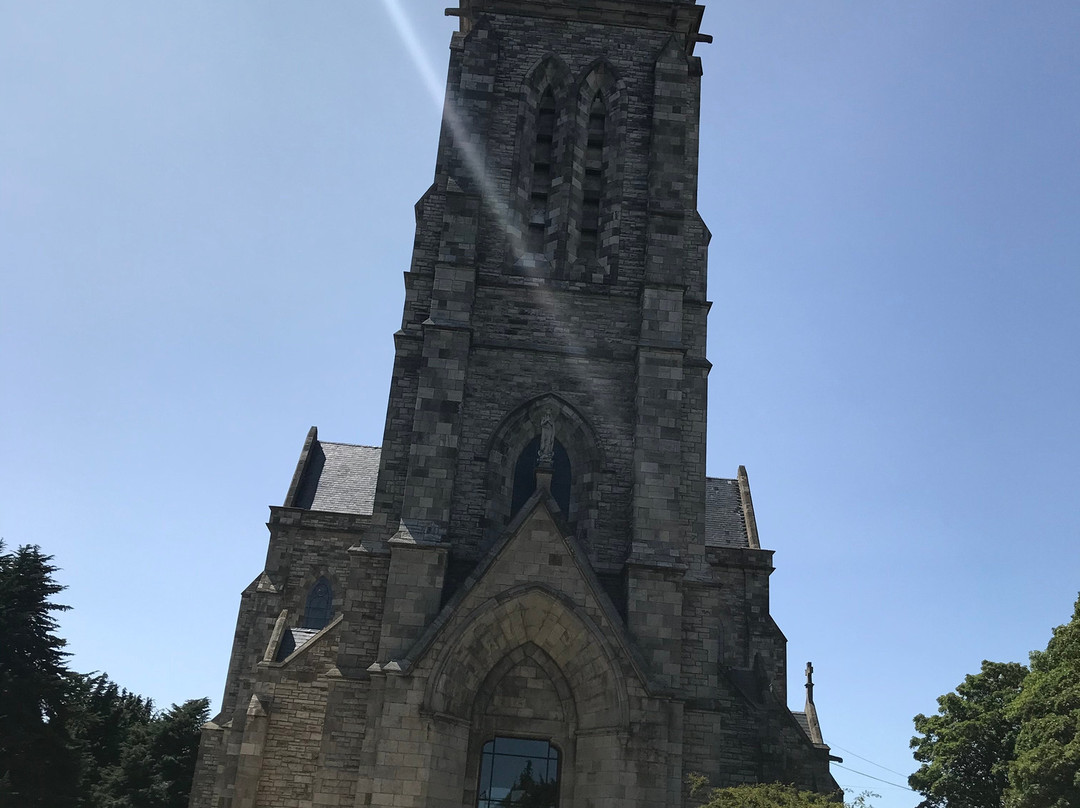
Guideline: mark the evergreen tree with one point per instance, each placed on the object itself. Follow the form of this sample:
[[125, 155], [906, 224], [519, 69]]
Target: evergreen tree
[[72, 741], [103, 723], [1046, 769], [156, 763], [38, 764], [176, 746]]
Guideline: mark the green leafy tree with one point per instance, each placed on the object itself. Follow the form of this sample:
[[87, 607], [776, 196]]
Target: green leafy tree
[[38, 765], [770, 795], [1046, 770], [966, 748], [767, 796]]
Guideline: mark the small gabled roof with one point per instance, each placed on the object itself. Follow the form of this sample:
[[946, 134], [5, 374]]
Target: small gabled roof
[[293, 640], [803, 721], [335, 477], [725, 521], [541, 502]]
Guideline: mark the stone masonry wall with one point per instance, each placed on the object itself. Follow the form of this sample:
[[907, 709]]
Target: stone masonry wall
[[566, 335], [297, 695], [639, 652]]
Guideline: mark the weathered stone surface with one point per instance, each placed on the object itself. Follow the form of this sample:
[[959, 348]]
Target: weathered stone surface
[[557, 291]]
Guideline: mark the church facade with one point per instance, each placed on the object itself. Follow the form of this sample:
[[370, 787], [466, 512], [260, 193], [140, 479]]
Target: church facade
[[531, 594]]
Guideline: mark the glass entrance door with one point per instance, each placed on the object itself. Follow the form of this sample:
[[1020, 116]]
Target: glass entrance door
[[518, 773]]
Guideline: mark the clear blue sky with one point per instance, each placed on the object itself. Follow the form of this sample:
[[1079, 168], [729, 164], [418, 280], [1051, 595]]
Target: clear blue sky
[[206, 208]]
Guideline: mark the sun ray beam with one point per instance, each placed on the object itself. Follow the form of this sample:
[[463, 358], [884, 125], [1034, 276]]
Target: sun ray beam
[[466, 143]]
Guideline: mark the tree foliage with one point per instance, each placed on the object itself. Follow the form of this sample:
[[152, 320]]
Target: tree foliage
[[770, 795], [74, 741], [965, 749], [38, 766], [1008, 737], [156, 761], [529, 792], [1046, 770], [107, 720]]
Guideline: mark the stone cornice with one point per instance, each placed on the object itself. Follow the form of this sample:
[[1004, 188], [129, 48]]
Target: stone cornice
[[681, 17]]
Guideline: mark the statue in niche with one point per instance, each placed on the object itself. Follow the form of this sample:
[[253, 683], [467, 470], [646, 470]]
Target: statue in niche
[[547, 440]]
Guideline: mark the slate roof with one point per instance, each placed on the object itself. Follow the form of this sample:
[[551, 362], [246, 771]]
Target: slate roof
[[725, 524], [302, 635], [803, 722], [293, 640], [339, 477]]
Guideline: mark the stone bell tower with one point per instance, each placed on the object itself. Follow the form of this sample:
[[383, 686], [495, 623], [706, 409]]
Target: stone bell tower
[[531, 591]]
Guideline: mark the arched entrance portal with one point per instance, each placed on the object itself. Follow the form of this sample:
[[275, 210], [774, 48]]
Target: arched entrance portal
[[532, 669]]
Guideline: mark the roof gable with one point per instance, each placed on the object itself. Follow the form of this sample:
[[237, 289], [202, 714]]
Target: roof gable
[[335, 477], [533, 586]]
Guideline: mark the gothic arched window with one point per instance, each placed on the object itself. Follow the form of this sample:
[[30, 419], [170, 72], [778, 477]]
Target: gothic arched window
[[593, 187], [525, 476], [543, 170], [320, 605], [597, 180], [518, 772]]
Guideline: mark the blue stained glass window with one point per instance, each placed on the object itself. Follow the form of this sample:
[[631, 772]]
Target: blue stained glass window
[[320, 605], [518, 773]]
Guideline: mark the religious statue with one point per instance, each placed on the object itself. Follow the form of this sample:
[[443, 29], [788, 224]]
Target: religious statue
[[547, 439]]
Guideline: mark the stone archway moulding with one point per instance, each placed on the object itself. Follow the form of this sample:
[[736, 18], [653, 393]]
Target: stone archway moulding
[[576, 435], [530, 614], [531, 410]]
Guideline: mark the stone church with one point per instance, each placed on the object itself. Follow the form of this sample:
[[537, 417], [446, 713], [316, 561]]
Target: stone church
[[531, 594]]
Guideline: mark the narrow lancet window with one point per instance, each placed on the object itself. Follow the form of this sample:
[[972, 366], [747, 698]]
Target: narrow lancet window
[[320, 605], [542, 172], [593, 189]]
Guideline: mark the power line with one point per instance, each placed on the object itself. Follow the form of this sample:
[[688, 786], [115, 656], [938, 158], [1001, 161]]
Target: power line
[[868, 760], [864, 774]]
